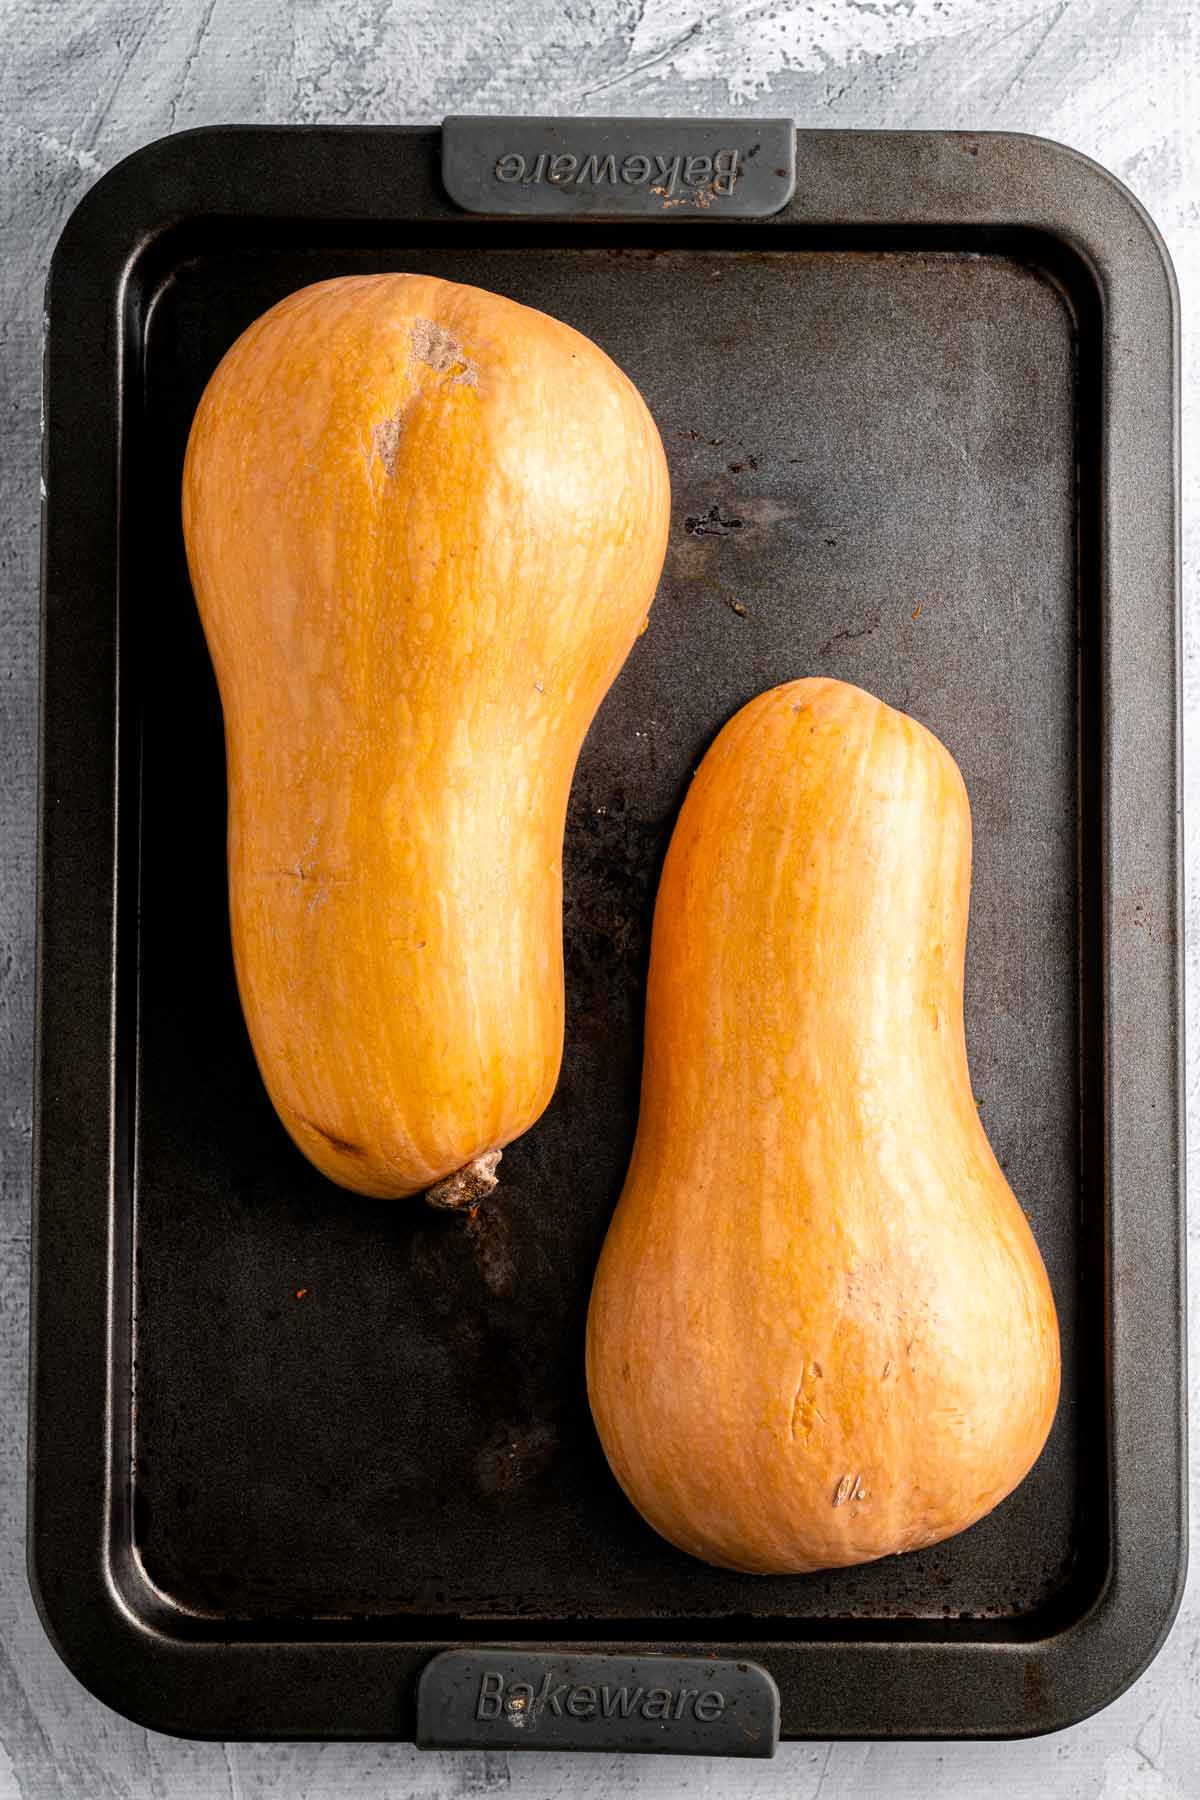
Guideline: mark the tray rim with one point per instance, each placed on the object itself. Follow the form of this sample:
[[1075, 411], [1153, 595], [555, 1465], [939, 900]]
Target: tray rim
[[136, 1654]]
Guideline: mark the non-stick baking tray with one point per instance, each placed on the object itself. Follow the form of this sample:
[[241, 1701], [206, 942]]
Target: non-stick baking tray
[[286, 1443]]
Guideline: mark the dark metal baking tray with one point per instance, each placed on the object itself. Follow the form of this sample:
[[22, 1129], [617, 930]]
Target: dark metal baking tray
[[286, 1444]]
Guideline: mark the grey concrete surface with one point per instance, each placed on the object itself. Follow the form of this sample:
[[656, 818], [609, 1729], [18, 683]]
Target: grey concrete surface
[[83, 82]]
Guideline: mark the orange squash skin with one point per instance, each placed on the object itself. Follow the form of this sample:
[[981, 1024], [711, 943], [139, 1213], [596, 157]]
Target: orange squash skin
[[820, 1331], [424, 525]]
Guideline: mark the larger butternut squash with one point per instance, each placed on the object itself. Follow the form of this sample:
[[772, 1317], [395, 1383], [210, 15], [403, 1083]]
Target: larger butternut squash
[[821, 1330], [424, 525]]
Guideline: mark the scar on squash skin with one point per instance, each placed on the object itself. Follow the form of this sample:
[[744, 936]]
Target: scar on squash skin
[[468, 1185], [385, 440], [316, 878], [342, 1145], [806, 1414], [433, 345]]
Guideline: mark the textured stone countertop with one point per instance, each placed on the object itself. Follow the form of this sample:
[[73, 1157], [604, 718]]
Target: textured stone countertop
[[82, 83]]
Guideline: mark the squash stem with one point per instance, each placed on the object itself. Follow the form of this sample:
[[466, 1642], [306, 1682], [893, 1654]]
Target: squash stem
[[468, 1185]]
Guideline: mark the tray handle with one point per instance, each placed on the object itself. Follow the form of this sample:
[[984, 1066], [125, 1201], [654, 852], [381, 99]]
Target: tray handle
[[589, 168]]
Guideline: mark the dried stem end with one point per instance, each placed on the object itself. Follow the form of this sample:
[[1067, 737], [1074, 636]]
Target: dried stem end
[[468, 1185]]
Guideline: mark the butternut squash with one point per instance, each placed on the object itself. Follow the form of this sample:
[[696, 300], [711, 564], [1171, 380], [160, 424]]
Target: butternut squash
[[820, 1330], [424, 525]]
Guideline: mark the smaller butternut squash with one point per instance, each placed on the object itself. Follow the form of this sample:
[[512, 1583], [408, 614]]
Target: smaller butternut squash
[[820, 1330]]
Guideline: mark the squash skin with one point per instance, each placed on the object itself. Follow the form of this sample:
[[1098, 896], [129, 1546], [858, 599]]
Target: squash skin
[[424, 525], [820, 1330]]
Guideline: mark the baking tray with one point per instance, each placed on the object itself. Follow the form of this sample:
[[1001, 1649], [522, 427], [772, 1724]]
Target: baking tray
[[287, 1444]]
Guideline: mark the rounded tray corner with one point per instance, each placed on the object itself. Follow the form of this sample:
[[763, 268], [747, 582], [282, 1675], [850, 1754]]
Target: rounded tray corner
[[1108, 1650], [1084, 190], [99, 1642], [111, 223]]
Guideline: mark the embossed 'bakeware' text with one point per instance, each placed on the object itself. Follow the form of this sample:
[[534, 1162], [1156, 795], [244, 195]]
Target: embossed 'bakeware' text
[[521, 1704], [718, 174]]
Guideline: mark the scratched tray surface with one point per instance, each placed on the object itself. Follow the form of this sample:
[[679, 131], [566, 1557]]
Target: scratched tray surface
[[349, 1408]]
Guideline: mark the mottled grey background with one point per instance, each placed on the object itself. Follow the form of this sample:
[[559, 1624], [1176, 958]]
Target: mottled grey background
[[81, 85]]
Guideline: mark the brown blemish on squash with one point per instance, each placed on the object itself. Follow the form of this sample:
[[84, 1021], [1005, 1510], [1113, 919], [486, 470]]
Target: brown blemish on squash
[[433, 345], [439, 351], [385, 440], [342, 1145]]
